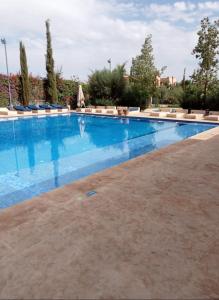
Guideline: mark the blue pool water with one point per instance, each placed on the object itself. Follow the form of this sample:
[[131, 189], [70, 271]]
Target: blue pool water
[[41, 153]]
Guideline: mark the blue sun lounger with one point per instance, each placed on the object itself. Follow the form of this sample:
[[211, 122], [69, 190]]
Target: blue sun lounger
[[47, 107], [21, 108], [34, 107], [58, 106]]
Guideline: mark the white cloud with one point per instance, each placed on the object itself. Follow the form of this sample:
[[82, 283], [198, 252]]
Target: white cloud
[[87, 32], [208, 5], [188, 12]]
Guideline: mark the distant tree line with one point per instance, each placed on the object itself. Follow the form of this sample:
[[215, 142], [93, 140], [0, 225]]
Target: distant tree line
[[201, 91]]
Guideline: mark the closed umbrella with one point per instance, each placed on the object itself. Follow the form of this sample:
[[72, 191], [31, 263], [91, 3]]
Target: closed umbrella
[[80, 97]]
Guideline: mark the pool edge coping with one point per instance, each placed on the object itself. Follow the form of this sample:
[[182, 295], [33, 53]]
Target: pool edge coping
[[112, 115]]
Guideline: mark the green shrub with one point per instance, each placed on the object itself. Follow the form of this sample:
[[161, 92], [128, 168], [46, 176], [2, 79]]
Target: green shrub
[[212, 101], [135, 96], [102, 102], [3, 102], [169, 95], [105, 84], [192, 98]]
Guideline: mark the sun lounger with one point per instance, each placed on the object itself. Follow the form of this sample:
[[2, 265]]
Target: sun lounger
[[110, 111], [110, 107], [154, 114], [88, 110], [48, 108], [134, 110], [78, 109], [190, 116], [22, 109], [60, 108], [171, 115], [4, 111], [36, 109], [98, 111], [99, 107], [211, 118]]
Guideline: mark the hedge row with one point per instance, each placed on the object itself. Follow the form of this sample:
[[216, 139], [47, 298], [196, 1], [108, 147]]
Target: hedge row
[[67, 89]]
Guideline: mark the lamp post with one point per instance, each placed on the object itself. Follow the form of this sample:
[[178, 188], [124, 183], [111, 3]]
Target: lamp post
[[110, 64], [3, 41]]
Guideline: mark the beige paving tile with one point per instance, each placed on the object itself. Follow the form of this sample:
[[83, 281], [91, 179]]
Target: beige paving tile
[[150, 231]]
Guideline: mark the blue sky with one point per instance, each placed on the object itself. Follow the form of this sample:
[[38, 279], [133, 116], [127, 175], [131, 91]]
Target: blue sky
[[88, 32]]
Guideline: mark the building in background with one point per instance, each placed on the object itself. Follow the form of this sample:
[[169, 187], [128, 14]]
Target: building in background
[[168, 81]]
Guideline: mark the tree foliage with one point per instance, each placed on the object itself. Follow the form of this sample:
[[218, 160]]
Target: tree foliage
[[169, 94], [134, 95], [206, 52], [66, 89], [105, 84], [50, 86], [143, 71], [25, 84], [15, 89], [191, 97], [213, 97]]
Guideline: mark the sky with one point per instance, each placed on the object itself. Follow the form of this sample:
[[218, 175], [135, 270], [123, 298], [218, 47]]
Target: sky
[[86, 33]]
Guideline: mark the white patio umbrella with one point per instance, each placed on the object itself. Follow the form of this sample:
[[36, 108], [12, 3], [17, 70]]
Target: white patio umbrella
[[80, 97]]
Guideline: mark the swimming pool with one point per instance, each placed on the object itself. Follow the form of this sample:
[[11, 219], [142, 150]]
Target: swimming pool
[[40, 153]]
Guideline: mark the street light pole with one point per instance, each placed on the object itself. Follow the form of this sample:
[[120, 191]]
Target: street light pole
[[3, 41], [110, 64]]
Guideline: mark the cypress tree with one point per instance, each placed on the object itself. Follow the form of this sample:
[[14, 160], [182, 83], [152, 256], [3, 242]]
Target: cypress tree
[[51, 89], [25, 84]]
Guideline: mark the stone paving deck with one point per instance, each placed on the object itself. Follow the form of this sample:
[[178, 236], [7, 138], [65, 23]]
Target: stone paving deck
[[149, 232]]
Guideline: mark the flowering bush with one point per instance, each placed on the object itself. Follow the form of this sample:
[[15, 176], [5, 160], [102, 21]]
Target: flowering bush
[[67, 89], [15, 84]]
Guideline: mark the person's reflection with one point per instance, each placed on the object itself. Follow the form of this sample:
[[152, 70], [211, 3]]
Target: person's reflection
[[53, 135], [15, 147], [82, 125], [126, 144], [124, 121], [31, 149], [31, 154], [55, 154], [56, 169], [184, 130]]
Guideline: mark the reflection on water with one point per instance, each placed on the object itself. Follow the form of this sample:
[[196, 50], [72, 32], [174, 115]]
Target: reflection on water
[[186, 130], [124, 121], [82, 125], [15, 149], [55, 150], [28, 143], [31, 152]]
